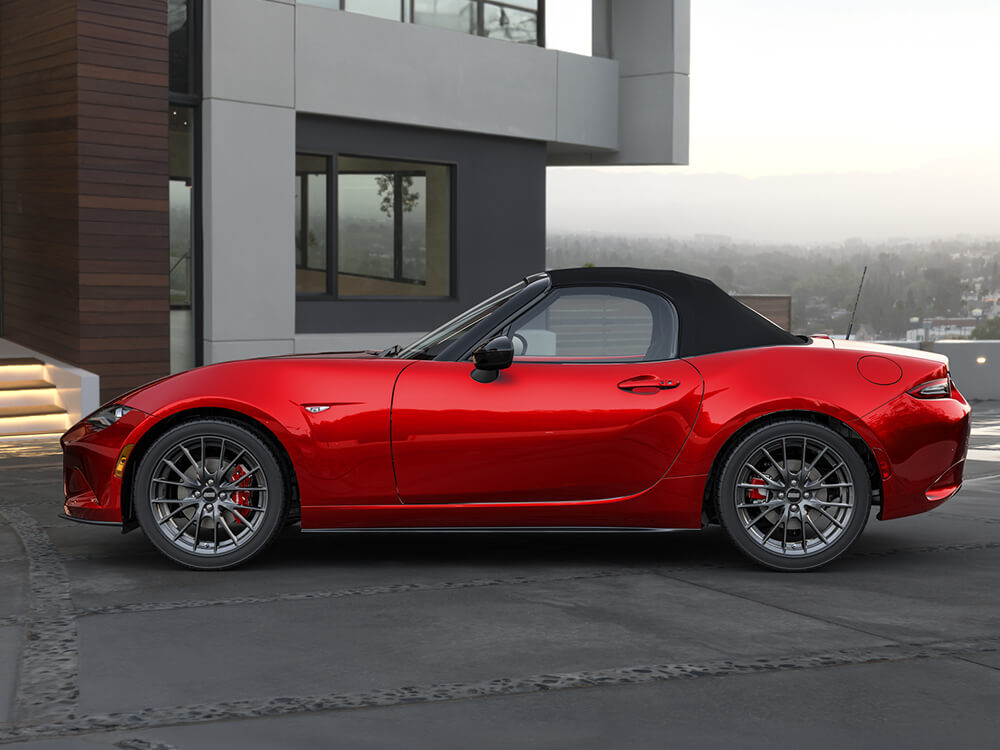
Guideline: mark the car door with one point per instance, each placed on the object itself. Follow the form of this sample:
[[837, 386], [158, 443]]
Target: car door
[[594, 406]]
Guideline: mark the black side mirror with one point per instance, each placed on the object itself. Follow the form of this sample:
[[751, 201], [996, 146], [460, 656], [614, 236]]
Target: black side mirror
[[491, 357]]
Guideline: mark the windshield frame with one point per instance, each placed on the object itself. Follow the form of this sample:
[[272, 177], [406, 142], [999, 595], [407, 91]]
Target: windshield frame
[[449, 341]]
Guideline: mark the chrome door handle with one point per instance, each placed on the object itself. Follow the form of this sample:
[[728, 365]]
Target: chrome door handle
[[647, 384]]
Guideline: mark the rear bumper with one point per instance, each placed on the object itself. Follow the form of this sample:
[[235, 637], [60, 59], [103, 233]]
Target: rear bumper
[[925, 442], [93, 493]]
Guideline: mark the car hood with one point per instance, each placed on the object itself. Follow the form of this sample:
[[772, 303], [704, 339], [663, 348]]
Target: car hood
[[134, 398]]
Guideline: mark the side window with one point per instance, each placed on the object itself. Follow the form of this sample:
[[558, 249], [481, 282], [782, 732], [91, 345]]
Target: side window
[[596, 324]]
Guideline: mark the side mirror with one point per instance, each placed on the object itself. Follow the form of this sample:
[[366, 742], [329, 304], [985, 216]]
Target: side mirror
[[491, 357]]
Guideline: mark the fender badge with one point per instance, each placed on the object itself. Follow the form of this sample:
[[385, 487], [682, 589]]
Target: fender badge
[[317, 409]]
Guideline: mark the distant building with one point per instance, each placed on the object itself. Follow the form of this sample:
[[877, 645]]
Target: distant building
[[775, 307], [942, 328]]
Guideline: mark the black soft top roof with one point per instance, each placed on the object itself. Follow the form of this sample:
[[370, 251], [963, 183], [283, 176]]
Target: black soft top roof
[[710, 320]]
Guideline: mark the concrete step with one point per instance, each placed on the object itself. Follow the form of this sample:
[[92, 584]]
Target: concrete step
[[33, 419], [27, 393], [20, 369], [24, 385]]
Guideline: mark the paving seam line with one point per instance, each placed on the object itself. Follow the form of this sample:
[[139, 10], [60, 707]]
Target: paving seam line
[[149, 718], [47, 682]]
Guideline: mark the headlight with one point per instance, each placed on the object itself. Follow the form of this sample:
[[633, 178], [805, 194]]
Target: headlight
[[107, 416]]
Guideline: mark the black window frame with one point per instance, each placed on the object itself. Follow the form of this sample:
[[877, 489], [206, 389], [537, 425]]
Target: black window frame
[[333, 227], [330, 286], [192, 99]]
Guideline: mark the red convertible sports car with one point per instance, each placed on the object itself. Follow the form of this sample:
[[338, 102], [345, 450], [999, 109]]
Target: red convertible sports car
[[579, 399]]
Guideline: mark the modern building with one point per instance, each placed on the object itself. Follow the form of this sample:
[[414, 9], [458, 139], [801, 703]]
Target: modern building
[[189, 181]]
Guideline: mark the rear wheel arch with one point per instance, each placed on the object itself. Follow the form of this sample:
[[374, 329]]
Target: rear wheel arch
[[257, 427], [862, 448]]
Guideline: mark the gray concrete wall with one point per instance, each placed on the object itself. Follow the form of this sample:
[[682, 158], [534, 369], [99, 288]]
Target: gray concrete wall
[[977, 381], [419, 75], [651, 41], [974, 380]]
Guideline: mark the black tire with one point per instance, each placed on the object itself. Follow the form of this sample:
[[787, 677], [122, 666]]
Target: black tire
[[205, 479], [778, 507]]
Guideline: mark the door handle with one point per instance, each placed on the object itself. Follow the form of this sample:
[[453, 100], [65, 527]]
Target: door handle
[[647, 384]]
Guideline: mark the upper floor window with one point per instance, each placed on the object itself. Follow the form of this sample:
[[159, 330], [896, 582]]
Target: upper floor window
[[597, 324], [517, 20]]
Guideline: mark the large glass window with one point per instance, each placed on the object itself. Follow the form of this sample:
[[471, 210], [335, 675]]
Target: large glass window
[[393, 228], [505, 21], [311, 178], [455, 15], [184, 97], [516, 20], [181, 30]]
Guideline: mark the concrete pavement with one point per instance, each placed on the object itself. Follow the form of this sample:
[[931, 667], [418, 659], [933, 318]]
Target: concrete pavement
[[436, 640]]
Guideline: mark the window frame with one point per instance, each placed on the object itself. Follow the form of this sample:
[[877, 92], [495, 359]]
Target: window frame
[[333, 230], [192, 99], [666, 315]]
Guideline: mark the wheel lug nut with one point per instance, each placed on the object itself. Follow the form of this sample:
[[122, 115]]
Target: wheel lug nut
[[211, 481]]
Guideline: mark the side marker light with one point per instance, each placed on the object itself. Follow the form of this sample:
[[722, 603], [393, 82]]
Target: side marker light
[[122, 458]]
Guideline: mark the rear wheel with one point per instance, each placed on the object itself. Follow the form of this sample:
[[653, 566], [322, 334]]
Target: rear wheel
[[794, 495], [210, 494]]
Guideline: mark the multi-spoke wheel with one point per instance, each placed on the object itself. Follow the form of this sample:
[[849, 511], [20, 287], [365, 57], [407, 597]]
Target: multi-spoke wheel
[[794, 495], [209, 494]]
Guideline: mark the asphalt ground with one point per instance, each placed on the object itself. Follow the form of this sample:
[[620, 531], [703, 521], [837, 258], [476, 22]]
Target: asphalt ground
[[499, 640]]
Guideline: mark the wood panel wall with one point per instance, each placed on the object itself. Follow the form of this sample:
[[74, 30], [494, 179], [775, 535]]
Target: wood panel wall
[[123, 188], [83, 174], [38, 206]]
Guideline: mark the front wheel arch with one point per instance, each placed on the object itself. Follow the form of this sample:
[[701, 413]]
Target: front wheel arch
[[142, 446], [862, 448]]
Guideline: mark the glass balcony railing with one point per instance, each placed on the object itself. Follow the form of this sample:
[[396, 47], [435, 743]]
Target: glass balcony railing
[[521, 21]]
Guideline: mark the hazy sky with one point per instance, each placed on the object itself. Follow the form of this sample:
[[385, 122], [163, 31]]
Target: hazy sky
[[812, 87], [793, 86]]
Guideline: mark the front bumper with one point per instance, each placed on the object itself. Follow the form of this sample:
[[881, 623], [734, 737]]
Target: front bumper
[[925, 442], [92, 490]]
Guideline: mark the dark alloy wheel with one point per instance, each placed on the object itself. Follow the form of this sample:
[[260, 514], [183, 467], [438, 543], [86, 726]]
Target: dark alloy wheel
[[794, 495], [210, 494]]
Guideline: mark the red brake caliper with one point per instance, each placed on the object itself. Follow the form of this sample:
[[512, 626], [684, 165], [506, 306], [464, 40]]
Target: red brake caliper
[[240, 498], [755, 494]]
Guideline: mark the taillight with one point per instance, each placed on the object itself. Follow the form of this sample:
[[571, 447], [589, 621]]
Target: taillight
[[939, 388]]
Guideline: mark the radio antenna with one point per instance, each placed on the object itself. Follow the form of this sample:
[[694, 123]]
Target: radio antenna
[[850, 326]]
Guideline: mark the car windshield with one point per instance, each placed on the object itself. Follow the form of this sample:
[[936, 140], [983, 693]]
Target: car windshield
[[435, 342]]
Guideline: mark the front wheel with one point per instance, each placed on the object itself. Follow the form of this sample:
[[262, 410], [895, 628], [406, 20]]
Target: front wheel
[[794, 495], [210, 494]]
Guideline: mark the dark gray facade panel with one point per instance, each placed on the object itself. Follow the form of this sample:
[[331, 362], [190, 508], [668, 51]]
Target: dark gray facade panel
[[498, 215]]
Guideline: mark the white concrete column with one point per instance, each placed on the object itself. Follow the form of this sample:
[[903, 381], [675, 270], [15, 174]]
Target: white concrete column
[[248, 173]]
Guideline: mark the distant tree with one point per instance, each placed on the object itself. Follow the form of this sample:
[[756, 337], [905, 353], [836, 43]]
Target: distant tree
[[988, 329]]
